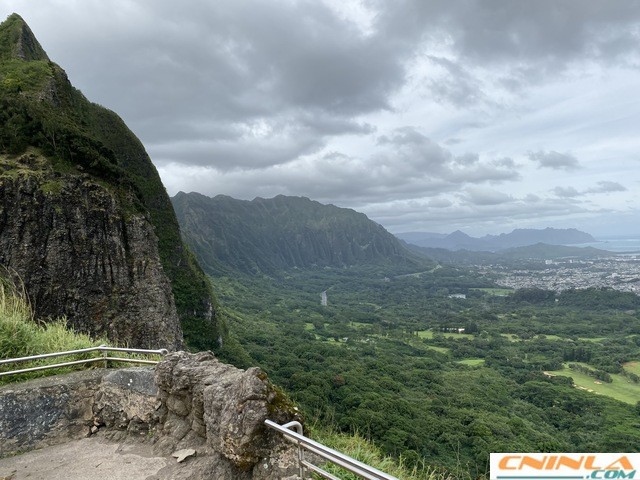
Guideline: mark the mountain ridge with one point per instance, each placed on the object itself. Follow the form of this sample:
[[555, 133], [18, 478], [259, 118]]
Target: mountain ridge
[[268, 235], [519, 237]]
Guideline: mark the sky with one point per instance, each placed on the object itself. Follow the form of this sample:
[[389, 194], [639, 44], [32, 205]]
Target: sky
[[478, 115]]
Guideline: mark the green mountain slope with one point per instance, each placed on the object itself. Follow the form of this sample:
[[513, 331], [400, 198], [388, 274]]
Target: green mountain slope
[[267, 235], [53, 137]]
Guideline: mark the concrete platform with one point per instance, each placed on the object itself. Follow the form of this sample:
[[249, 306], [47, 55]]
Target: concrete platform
[[91, 458]]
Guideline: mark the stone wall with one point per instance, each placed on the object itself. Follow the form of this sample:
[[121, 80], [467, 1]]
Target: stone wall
[[190, 403], [47, 411]]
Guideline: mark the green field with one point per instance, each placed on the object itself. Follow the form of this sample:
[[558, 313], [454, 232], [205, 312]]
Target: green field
[[439, 349], [472, 362], [594, 339], [620, 389], [501, 292], [632, 367], [511, 337], [428, 334]]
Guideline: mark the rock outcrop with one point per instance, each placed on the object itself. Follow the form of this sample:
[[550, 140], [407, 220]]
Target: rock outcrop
[[206, 403], [85, 221], [79, 253]]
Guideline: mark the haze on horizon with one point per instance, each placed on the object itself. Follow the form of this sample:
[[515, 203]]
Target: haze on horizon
[[476, 115]]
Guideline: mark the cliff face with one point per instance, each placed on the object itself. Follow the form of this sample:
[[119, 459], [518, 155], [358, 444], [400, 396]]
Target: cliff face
[[80, 255], [264, 235], [86, 222]]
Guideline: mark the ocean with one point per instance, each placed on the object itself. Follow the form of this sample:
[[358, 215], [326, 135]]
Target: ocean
[[615, 243]]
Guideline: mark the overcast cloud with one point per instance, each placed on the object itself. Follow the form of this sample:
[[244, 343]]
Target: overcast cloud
[[483, 115]]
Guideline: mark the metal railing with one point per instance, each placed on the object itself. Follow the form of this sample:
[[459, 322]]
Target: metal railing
[[306, 444], [103, 358]]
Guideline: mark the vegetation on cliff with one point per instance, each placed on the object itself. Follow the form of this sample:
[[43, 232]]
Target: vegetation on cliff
[[22, 336], [41, 110], [272, 235]]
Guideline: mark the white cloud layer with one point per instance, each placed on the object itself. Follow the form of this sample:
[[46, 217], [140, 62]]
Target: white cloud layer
[[431, 115]]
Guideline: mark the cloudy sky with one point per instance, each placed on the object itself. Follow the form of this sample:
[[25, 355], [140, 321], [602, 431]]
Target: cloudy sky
[[480, 115]]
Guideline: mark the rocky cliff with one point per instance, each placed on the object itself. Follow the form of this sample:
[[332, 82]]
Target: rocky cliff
[[79, 254], [266, 235], [85, 221]]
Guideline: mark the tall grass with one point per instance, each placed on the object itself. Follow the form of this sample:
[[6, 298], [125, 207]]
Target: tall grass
[[22, 336], [363, 450]]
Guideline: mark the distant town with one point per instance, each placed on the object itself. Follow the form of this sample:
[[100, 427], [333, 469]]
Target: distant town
[[620, 272]]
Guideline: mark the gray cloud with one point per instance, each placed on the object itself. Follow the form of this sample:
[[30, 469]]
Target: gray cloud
[[484, 196], [566, 192], [458, 87], [257, 99], [606, 186], [406, 165], [554, 160], [467, 215], [544, 30]]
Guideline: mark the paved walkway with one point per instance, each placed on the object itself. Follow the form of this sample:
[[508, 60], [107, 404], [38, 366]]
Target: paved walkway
[[87, 459]]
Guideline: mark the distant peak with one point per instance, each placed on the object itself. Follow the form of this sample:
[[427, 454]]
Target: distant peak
[[18, 41], [458, 234]]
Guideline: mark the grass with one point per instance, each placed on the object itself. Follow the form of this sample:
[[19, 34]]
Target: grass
[[472, 362], [632, 367], [429, 334], [620, 388], [444, 350], [22, 336], [512, 337], [494, 291], [361, 449]]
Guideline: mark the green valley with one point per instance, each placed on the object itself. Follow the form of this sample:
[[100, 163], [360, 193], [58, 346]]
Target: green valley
[[381, 359]]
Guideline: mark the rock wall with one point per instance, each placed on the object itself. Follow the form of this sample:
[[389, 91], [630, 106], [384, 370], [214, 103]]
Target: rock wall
[[190, 403], [220, 410], [82, 255], [46, 411]]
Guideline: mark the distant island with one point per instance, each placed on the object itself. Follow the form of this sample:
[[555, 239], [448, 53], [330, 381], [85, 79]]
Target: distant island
[[520, 237]]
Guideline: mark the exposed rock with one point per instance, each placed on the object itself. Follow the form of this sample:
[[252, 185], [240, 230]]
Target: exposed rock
[[109, 235], [182, 455], [127, 400], [206, 403], [81, 255]]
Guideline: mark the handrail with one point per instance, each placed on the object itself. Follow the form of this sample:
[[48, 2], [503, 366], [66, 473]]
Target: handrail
[[305, 443], [104, 358]]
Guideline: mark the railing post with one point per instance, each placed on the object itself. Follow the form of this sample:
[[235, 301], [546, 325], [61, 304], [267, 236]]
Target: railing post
[[105, 354], [297, 426]]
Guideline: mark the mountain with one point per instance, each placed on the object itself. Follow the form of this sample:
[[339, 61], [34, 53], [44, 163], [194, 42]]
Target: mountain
[[526, 236], [517, 238], [267, 235], [539, 251], [85, 222]]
